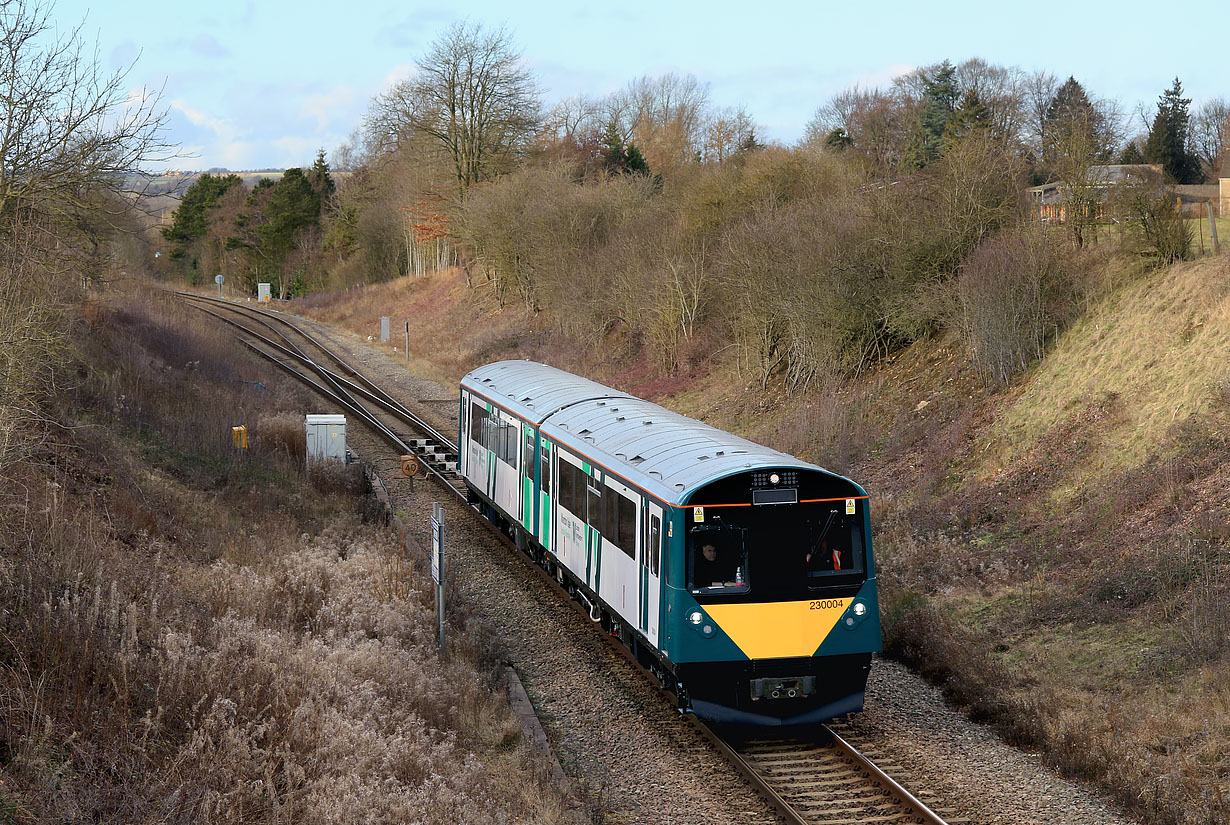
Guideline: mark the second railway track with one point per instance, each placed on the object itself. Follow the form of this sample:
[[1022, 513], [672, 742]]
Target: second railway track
[[808, 781]]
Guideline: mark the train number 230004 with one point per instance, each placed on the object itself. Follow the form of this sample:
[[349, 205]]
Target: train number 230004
[[826, 604]]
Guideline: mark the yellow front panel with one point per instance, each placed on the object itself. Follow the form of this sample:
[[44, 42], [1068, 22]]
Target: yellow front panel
[[778, 630]]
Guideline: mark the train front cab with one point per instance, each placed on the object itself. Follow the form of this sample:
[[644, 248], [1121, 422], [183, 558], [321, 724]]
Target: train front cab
[[787, 637]]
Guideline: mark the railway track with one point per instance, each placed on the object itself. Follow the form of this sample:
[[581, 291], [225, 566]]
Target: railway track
[[323, 370], [821, 780]]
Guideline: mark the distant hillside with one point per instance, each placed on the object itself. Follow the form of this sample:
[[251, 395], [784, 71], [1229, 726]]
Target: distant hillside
[[163, 191]]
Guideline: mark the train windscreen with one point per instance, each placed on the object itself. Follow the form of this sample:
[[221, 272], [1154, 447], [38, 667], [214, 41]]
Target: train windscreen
[[776, 552]]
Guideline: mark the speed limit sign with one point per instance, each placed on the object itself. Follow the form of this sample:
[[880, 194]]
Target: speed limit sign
[[410, 466]]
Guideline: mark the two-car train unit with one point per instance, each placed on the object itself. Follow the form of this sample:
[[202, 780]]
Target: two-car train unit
[[742, 576]]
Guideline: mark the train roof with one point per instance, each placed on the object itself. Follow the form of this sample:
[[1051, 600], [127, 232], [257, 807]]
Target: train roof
[[667, 454]]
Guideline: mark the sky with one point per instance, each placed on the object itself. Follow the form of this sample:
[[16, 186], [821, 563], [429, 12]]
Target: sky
[[255, 85]]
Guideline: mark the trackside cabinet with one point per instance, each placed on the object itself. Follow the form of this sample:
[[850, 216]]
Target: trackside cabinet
[[326, 438]]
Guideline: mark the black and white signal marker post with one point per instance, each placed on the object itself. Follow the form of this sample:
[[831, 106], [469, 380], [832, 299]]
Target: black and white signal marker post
[[437, 562]]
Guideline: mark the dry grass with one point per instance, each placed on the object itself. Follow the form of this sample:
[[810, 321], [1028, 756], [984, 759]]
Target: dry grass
[[194, 635], [1159, 342]]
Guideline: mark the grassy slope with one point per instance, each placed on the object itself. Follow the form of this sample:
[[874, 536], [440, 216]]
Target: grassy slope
[[192, 635], [1054, 553]]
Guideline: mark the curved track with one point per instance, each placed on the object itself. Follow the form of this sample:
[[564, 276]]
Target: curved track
[[820, 779]]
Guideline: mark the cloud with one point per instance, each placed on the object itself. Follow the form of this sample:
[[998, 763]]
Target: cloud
[[400, 72], [124, 55], [206, 45], [882, 78], [295, 150], [341, 100]]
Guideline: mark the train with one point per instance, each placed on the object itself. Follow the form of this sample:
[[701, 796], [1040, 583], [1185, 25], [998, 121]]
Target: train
[[740, 576]]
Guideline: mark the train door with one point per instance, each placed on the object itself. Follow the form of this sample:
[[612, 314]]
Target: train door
[[651, 572], [507, 449], [545, 486], [478, 456], [529, 463], [569, 529], [618, 538]]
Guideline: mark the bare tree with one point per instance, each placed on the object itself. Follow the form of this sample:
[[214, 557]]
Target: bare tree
[[1210, 134], [72, 140], [574, 118], [664, 115], [472, 96], [725, 132], [68, 128]]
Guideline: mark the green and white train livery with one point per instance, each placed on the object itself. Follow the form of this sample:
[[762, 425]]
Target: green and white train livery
[[742, 576]]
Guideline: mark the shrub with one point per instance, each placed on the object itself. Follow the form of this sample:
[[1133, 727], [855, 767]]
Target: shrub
[[1013, 295]]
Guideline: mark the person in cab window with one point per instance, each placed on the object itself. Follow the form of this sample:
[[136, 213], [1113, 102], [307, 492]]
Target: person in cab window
[[713, 569], [823, 558]]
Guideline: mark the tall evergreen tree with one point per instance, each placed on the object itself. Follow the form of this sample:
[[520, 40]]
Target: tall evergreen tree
[[969, 117], [619, 157], [1167, 142], [939, 102], [319, 177], [191, 219], [294, 205], [1071, 120]]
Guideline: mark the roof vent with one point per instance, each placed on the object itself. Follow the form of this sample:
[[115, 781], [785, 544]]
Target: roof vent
[[487, 380], [584, 432], [620, 418], [647, 423], [637, 459], [702, 458], [720, 452], [527, 398], [601, 403]]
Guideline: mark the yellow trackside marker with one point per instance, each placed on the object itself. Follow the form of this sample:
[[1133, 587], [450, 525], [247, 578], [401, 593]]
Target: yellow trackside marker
[[698, 514], [779, 629], [849, 507]]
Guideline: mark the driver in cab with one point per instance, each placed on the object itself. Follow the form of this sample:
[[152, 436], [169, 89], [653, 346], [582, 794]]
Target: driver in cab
[[714, 569]]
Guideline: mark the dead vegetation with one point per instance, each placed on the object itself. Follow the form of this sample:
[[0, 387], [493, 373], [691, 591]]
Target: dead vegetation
[[190, 634]]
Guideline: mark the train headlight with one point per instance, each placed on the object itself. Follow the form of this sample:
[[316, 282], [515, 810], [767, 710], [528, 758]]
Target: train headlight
[[859, 608], [696, 617], [775, 479]]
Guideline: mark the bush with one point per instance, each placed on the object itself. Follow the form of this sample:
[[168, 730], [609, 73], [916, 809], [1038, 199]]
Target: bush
[[1013, 295], [1151, 224]]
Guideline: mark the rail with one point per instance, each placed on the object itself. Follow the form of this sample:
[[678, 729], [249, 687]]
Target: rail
[[343, 394]]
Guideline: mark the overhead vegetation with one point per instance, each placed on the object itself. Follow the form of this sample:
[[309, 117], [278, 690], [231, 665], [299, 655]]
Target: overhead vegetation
[[72, 143], [653, 215]]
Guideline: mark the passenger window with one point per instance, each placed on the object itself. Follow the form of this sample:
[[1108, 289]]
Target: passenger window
[[593, 516], [655, 543], [544, 470], [626, 536], [478, 424]]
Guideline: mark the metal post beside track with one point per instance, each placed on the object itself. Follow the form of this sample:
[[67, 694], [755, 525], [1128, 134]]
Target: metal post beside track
[[437, 563]]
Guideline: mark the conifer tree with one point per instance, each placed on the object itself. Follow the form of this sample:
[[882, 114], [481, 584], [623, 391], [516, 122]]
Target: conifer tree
[[939, 102], [1167, 142]]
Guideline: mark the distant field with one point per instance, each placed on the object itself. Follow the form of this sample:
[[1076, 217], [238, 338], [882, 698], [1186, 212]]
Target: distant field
[[166, 190]]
